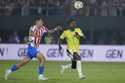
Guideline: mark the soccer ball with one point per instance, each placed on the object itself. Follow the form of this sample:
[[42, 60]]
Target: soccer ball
[[78, 5]]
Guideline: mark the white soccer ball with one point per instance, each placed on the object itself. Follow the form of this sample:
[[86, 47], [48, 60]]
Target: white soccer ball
[[78, 4]]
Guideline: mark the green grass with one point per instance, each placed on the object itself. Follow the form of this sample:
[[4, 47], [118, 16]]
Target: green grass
[[95, 72]]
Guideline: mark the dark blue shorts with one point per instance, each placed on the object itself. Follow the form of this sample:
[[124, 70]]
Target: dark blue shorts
[[31, 52]]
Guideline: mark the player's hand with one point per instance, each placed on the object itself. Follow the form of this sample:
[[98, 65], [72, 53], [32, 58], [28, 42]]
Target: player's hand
[[76, 34], [60, 49], [58, 28]]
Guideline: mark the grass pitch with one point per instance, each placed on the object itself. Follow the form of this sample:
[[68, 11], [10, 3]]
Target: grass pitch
[[96, 72]]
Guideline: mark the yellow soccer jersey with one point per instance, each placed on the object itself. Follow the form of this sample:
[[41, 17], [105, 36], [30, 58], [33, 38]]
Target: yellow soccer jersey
[[73, 41]]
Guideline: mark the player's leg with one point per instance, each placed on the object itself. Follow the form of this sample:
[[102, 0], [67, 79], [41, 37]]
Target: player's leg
[[41, 60], [66, 66], [15, 67], [77, 64]]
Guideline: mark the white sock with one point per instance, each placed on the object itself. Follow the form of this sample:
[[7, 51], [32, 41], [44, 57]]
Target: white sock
[[9, 71], [67, 66], [41, 75], [79, 68]]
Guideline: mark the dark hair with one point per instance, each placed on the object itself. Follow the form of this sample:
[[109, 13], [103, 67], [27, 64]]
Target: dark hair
[[70, 20], [38, 18]]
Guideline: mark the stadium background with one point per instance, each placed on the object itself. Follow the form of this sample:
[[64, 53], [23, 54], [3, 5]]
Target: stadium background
[[102, 21], [89, 18]]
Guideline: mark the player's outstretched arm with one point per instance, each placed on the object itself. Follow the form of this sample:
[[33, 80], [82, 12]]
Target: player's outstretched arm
[[55, 29]]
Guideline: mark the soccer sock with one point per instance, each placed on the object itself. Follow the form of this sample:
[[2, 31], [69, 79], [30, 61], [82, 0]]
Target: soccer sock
[[41, 69], [13, 68], [74, 64], [67, 66], [79, 68]]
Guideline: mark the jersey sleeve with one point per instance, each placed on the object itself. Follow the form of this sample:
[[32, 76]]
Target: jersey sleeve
[[45, 29], [80, 33], [62, 35], [32, 29]]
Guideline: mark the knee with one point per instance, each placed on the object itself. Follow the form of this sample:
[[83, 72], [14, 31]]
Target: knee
[[76, 58], [18, 66], [42, 59]]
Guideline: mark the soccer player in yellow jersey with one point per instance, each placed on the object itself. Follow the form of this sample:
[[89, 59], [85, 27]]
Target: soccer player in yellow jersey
[[72, 36]]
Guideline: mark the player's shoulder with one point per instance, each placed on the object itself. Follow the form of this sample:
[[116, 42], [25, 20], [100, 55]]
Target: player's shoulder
[[33, 27], [65, 31], [77, 28]]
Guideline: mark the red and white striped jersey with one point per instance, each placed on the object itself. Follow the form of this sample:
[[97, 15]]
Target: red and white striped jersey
[[38, 33]]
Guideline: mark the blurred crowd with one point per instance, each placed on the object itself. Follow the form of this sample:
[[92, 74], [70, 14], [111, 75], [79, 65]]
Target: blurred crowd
[[17, 38], [62, 7], [31, 7], [103, 36]]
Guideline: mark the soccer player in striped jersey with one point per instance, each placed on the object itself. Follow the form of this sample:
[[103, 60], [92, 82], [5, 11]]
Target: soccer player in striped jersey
[[35, 34], [72, 36]]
